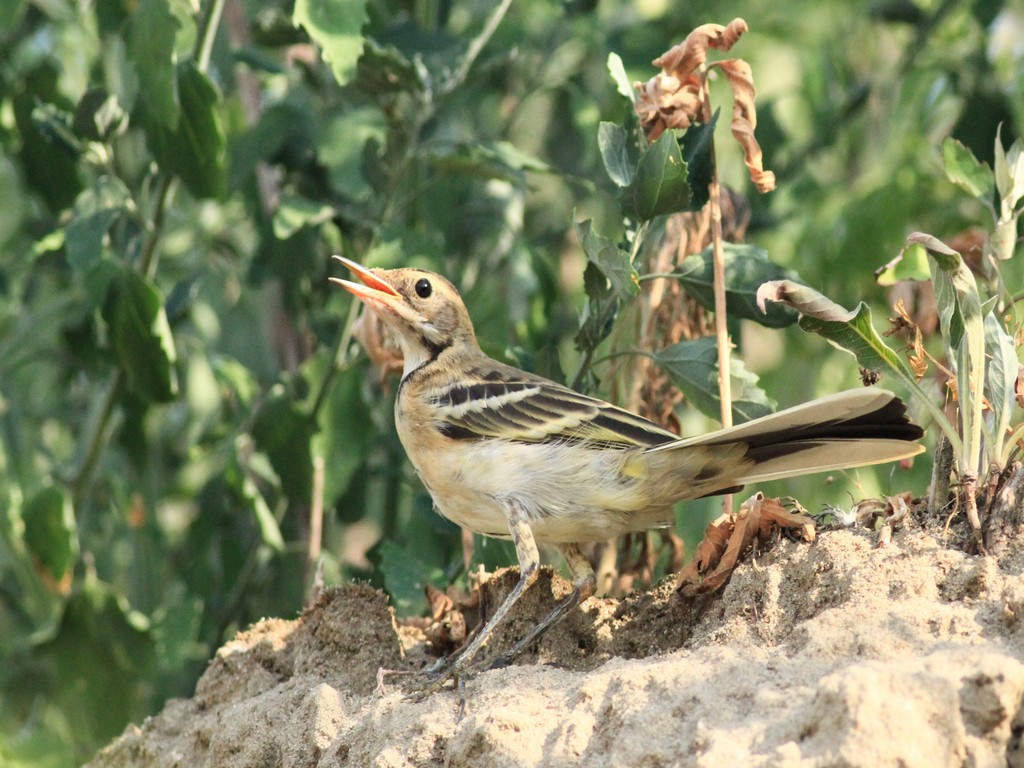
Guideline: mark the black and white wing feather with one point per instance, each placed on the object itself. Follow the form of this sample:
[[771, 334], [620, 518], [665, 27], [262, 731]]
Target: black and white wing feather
[[508, 404]]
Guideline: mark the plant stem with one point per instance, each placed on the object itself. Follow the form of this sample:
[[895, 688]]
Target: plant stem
[[164, 193], [968, 487], [340, 347], [624, 353], [207, 33], [97, 438], [718, 264], [478, 43]]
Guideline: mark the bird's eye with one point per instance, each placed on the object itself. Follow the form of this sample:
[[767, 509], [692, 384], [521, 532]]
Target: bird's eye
[[423, 288]]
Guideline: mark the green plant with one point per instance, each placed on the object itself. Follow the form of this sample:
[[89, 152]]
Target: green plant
[[984, 369], [185, 431]]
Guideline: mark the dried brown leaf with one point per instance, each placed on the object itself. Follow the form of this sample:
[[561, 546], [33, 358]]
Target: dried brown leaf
[[954, 389], [446, 626], [709, 552], [728, 539], [899, 507], [675, 97], [867, 512], [903, 322], [744, 120], [440, 603], [686, 58], [774, 516], [884, 515]]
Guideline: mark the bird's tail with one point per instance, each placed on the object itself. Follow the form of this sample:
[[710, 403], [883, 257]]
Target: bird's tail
[[849, 429]]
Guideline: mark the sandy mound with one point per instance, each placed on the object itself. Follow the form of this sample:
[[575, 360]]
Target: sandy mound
[[835, 653]]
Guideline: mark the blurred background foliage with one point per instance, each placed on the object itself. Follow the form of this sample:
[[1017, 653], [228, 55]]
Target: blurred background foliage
[[179, 394]]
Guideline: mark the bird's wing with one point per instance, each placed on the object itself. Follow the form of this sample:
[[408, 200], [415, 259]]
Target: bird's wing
[[506, 403]]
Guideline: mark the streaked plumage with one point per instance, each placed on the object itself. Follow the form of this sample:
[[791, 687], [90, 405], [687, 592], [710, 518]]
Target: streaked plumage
[[506, 453]]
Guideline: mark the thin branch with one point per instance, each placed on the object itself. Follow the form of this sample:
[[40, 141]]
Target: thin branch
[[721, 318], [207, 33], [478, 43], [97, 438], [339, 356]]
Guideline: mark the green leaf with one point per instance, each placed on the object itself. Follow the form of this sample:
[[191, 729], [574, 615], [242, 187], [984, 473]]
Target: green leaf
[[96, 208], [385, 70], [405, 576], [50, 532], [294, 213], [600, 310], [55, 175], [911, 263], [270, 531], [340, 143], [100, 650], [697, 145], [99, 116], [963, 169], [659, 185], [693, 367], [11, 14], [851, 331], [1000, 382], [195, 149], [500, 160], [1009, 176], [150, 43], [284, 433], [612, 140], [613, 263], [336, 26], [618, 74], [746, 268], [85, 238], [960, 320], [141, 337]]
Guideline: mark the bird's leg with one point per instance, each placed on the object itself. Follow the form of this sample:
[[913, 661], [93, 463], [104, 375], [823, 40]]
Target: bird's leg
[[584, 584], [529, 563]]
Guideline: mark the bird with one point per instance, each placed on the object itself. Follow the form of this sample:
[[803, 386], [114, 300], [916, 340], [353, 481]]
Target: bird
[[510, 454]]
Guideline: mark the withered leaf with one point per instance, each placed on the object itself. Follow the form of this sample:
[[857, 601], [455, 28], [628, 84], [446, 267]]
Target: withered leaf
[[729, 538]]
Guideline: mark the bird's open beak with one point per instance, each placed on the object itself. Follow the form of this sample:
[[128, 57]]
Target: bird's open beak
[[374, 291]]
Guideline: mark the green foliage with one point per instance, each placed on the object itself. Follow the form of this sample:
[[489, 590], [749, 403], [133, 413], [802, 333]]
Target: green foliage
[[140, 336], [337, 29], [193, 146], [981, 353], [746, 268], [50, 536], [179, 391], [852, 331], [693, 367]]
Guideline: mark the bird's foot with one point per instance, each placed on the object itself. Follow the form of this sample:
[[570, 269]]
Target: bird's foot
[[432, 680]]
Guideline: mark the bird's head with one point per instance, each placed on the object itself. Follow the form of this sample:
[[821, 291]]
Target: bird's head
[[422, 309]]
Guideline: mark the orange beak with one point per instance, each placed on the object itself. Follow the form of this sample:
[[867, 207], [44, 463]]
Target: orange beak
[[374, 291]]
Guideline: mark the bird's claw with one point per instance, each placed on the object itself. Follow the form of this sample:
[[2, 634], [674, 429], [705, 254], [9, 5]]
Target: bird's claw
[[431, 682], [436, 681]]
